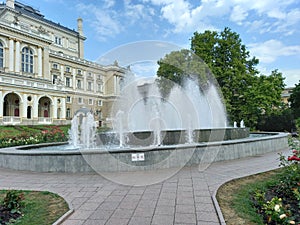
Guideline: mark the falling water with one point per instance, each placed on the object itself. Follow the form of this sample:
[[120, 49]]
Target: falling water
[[83, 131]]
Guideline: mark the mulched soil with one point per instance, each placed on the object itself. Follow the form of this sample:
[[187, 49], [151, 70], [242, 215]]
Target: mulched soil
[[6, 215]]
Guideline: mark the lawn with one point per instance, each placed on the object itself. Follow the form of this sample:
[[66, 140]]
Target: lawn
[[37, 207]]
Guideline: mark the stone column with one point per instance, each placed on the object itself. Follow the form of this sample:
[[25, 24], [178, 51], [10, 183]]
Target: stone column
[[24, 109], [62, 73], [11, 55], [40, 62], [63, 108], [18, 54], [84, 82], [54, 107], [35, 107], [95, 83], [74, 78], [1, 104]]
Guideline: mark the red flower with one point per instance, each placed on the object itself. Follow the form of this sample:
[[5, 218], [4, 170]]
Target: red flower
[[295, 152], [290, 158]]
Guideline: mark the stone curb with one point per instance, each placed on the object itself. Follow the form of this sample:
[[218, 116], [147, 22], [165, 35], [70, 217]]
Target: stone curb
[[64, 217], [217, 208]]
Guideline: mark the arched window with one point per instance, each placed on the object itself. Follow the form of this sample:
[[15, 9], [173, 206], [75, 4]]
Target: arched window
[[1, 56], [27, 60]]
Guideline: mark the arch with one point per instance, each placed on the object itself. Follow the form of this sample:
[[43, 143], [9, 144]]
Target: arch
[[12, 92], [45, 96], [11, 105], [27, 60], [44, 106]]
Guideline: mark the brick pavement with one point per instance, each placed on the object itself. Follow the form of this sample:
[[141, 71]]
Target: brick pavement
[[184, 198]]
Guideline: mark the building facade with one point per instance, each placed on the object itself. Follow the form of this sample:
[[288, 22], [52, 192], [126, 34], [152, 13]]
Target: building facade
[[44, 78]]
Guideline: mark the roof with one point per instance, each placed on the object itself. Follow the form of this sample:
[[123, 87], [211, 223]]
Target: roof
[[36, 14]]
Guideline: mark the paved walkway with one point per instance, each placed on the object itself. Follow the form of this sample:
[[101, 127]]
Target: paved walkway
[[185, 198]]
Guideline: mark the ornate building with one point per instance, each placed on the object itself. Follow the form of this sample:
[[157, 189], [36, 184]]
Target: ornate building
[[44, 77]]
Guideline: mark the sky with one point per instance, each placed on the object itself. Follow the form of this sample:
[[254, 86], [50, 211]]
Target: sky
[[269, 28]]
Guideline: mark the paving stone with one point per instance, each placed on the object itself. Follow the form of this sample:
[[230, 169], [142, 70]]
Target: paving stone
[[117, 221], [81, 214], [108, 205], [73, 222], [163, 220], [122, 213], [164, 210], [143, 212], [94, 222], [184, 218], [125, 204], [166, 202], [114, 198], [207, 216], [185, 201], [100, 214], [140, 221], [185, 209]]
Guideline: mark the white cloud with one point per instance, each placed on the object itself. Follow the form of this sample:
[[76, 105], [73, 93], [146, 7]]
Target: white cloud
[[238, 14], [109, 3], [292, 77], [145, 69], [104, 21], [269, 51]]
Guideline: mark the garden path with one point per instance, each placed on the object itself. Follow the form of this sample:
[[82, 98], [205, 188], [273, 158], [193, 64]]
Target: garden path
[[187, 197]]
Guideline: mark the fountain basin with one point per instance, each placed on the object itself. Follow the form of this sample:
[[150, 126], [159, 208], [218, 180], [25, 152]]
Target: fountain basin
[[173, 137], [155, 157]]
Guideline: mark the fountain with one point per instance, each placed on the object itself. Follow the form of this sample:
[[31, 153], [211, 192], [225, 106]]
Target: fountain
[[82, 134], [152, 129]]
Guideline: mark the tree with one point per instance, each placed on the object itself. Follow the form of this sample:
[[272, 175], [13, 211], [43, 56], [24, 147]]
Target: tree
[[295, 101], [246, 94], [178, 65]]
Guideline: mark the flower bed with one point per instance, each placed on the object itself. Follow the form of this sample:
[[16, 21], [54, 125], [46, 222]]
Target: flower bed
[[280, 203], [43, 134]]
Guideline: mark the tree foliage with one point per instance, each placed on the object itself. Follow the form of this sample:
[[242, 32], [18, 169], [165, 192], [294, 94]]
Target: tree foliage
[[295, 100], [247, 93], [178, 65]]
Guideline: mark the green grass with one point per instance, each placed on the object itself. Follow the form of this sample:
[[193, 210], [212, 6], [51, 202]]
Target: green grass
[[234, 198], [40, 208]]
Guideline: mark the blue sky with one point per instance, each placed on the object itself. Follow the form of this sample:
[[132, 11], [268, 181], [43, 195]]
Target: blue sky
[[268, 28]]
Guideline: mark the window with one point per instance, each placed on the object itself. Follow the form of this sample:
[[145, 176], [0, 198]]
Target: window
[[68, 81], [79, 72], [80, 100], [90, 74], [55, 66], [54, 79], [68, 113], [99, 102], [90, 101], [68, 69], [68, 99], [90, 86], [1, 55], [79, 86], [99, 87], [58, 41], [27, 60]]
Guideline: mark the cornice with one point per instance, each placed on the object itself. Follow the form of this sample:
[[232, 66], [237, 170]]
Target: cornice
[[20, 32]]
